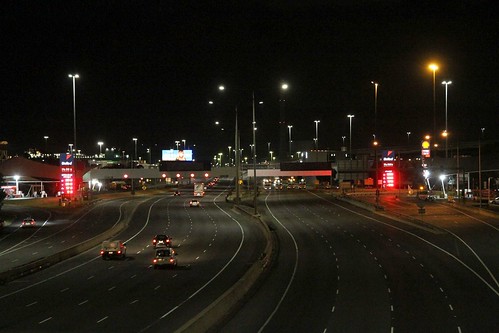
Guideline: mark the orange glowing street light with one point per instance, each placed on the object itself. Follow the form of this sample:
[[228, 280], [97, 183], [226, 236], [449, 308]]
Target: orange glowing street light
[[434, 67]]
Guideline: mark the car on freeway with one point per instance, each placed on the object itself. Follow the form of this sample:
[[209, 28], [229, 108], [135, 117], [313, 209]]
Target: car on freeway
[[28, 222], [495, 201], [113, 249], [162, 240], [164, 256], [194, 203], [176, 193]]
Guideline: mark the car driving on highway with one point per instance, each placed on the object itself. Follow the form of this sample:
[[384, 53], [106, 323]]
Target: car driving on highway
[[164, 256], [162, 240], [113, 249], [194, 203], [28, 222]]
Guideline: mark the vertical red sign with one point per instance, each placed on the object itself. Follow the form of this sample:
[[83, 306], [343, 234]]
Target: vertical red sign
[[67, 175]]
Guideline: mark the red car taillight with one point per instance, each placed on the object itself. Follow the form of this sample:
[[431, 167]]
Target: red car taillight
[[171, 260], [101, 252], [155, 261]]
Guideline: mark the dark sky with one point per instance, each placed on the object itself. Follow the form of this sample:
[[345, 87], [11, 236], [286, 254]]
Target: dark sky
[[148, 69]]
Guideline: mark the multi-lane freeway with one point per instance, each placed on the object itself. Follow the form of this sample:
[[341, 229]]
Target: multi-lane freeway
[[337, 268], [344, 269]]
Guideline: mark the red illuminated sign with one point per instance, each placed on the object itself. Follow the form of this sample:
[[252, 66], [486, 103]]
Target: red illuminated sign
[[388, 173], [67, 175]]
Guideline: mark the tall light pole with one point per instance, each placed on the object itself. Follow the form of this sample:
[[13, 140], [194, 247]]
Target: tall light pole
[[74, 77], [343, 138], [230, 158], [350, 116], [135, 157], [434, 68], [100, 143], [446, 83], [237, 148], [282, 122], [255, 184], [480, 167], [183, 143], [375, 107], [289, 137], [317, 134], [46, 138], [177, 143], [408, 137]]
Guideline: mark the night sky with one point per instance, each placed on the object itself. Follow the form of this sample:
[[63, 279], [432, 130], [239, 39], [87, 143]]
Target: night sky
[[148, 69]]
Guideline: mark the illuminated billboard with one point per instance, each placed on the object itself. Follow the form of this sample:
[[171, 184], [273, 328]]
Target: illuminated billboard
[[176, 155]]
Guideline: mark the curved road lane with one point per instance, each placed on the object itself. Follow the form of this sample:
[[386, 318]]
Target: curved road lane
[[345, 269]]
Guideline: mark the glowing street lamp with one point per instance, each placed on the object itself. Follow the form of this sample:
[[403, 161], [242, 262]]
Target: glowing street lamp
[[46, 138], [317, 134], [434, 68], [100, 143], [408, 135], [289, 136]]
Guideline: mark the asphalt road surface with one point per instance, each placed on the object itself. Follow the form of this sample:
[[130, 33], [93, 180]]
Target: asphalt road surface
[[343, 269], [215, 246]]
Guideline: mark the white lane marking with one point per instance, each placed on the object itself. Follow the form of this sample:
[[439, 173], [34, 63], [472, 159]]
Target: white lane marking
[[134, 301], [90, 277], [47, 319], [495, 291], [102, 319], [31, 304], [112, 288], [215, 276], [295, 268], [332, 310], [157, 287], [64, 290], [85, 301]]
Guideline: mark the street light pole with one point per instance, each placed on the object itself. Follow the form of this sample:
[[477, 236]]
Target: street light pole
[[350, 116], [408, 135], [255, 184], [100, 143], [237, 144], [317, 134], [433, 68], [289, 134], [46, 138], [135, 157], [446, 83], [74, 77], [375, 107]]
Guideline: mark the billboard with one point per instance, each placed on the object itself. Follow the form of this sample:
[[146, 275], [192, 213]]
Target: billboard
[[176, 155]]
